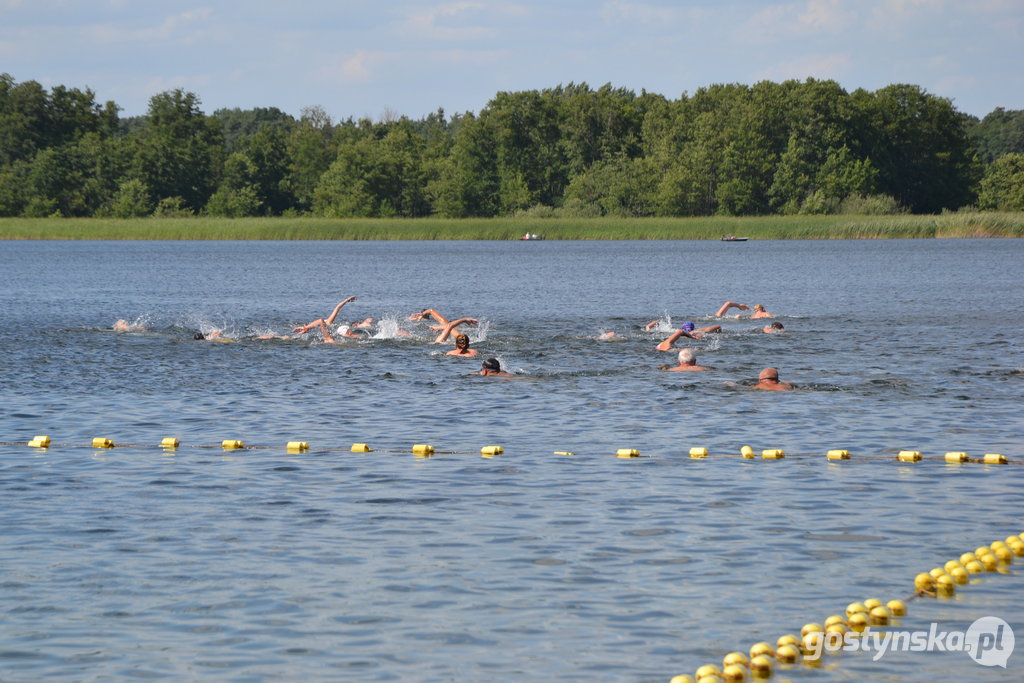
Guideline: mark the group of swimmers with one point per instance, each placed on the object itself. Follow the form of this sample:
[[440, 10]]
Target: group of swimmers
[[768, 378]]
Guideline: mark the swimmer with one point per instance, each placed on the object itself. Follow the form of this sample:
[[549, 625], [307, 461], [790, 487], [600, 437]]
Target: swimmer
[[687, 330], [216, 336], [687, 361], [427, 314], [727, 305], [462, 347], [367, 322], [759, 312], [123, 325], [769, 381], [774, 327], [492, 367], [303, 329], [450, 327], [606, 336]]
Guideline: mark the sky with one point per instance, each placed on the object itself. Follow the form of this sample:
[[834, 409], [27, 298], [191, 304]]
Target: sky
[[381, 59]]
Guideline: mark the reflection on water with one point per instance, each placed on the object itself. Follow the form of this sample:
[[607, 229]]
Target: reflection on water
[[201, 563]]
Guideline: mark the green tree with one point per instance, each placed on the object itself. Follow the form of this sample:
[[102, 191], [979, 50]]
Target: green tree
[[1002, 188], [178, 152]]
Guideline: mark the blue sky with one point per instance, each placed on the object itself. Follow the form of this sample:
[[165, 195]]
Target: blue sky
[[375, 59]]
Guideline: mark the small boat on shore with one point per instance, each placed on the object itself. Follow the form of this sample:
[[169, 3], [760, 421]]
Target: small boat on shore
[[531, 237], [734, 238]]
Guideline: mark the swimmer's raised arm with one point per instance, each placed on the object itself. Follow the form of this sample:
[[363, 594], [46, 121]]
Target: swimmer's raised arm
[[449, 327], [667, 344], [652, 324], [730, 304], [334, 314]]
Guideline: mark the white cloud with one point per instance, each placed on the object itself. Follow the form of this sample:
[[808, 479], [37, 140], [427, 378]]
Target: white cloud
[[815, 18], [889, 14], [430, 22], [639, 13], [184, 27]]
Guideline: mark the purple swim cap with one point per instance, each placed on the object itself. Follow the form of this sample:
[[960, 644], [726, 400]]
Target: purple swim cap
[[688, 326]]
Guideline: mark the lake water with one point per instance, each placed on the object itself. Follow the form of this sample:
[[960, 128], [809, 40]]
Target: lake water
[[329, 565]]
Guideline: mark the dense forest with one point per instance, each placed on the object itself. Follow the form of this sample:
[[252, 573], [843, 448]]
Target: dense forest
[[772, 148]]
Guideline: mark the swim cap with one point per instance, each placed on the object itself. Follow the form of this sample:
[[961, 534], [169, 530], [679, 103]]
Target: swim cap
[[688, 326], [492, 364], [768, 373]]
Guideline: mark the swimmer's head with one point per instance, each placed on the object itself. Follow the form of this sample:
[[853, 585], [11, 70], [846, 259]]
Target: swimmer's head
[[767, 374], [758, 307], [687, 356], [689, 326], [491, 365], [461, 341], [199, 335], [777, 326]]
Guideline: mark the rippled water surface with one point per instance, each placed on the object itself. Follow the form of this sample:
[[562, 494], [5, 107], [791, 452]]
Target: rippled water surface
[[260, 564]]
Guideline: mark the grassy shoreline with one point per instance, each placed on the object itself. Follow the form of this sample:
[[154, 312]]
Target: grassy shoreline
[[959, 225]]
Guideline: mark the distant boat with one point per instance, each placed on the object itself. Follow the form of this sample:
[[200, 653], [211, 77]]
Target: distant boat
[[734, 238], [531, 237]]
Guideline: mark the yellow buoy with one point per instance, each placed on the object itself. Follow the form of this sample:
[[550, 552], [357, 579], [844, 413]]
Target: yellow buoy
[[879, 616], [747, 452], [627, 453], [102, 442], [169, 442], [834, 619], [838, 454], [734, 658], [924, 582], [423, 449], [951, 565], [909, 456], [231, 444], [788, 654], [812, 627], [945, 586], [871, 603], [982, 550], [683, 678], [297, 446], [1004, 555], [788, 639], [773, 454], [990, 562], [898, 608], [735, 673], [967, 557], [564, 453], [698, 452], [994, 459], [841, 629], [41, 441], [957, 456], [492, 450], [761, 666], [960, 575], [974, 567], [708, 670], [854, 608], [361, 448], [937, 572], [761, 649], [858, 622]]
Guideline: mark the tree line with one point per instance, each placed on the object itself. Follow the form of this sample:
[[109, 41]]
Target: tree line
[[793, 147]]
